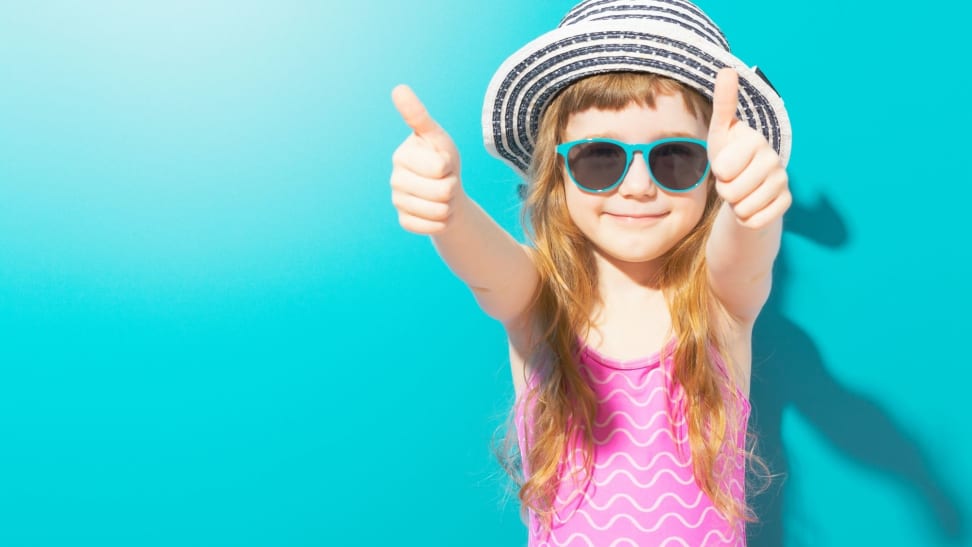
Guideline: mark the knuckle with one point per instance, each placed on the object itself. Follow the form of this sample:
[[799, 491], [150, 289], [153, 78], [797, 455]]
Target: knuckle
[[718, 165], [729, 163], [753, 222], [406, 222], [769, 157], [724, 190], [440, 212], [752, 136], [743, 211], [446, 191], [402, 154], [439, 167], [397, 156], [778, 180], [417, 225], [733, 196], [748, 136], [398, 200], [399, 180]]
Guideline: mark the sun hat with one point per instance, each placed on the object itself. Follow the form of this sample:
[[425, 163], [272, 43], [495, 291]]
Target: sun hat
[[672, 38]]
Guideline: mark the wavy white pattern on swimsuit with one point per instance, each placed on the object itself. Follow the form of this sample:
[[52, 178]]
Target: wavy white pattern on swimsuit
[[643, 491]]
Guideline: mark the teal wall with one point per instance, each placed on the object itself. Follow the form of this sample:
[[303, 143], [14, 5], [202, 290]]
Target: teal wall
[[213, 331]]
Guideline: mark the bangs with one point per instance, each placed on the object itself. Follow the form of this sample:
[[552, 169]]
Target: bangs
[[617, 90]]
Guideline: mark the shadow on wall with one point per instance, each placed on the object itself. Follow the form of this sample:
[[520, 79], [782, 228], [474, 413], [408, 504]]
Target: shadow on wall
[[788, 370]]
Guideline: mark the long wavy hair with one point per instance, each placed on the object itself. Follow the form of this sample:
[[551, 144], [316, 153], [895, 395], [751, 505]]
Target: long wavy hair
[[563, 406]]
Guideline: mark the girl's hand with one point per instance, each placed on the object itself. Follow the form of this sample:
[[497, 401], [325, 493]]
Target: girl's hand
[[749, 175], [425, 173]]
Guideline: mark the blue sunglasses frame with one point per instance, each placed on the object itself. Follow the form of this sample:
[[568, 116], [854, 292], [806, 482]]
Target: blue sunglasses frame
[[629, 149]]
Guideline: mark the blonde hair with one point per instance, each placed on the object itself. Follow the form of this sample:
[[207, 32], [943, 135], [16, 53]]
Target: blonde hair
[[563, 406]]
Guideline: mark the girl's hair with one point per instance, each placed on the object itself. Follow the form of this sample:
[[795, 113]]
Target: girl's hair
[[562, 405]]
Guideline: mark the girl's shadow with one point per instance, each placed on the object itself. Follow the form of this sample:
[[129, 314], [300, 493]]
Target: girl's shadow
[[788, 370]]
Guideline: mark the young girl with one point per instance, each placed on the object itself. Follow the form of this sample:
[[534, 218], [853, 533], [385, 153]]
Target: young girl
[[654, 215]]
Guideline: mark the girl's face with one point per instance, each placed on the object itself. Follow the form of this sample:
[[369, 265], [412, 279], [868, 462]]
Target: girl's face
[[637, 222]]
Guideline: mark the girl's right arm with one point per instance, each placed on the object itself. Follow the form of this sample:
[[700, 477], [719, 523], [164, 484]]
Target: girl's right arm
[[427, 191]]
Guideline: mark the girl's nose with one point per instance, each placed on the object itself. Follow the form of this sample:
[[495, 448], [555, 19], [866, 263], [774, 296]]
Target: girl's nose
[[637, 181]]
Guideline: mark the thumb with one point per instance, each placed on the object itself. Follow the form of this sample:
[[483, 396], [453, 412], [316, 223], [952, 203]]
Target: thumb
[[417, 117], [725, 98]]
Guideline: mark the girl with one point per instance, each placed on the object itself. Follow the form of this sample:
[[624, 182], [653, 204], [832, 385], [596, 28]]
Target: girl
[[654, 215]]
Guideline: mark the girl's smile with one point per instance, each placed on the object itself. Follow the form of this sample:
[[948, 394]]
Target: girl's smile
[[634, 217]]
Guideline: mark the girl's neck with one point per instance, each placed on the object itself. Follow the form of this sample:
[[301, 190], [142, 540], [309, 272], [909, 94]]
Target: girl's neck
[[620, 279], [630, 318]]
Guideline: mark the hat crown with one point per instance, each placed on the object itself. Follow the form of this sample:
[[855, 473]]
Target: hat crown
[[680, 13]]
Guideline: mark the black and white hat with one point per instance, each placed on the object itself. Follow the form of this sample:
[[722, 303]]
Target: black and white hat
[[673, 38]]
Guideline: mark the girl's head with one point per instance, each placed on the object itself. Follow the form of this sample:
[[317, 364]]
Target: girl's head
[[637, 221]]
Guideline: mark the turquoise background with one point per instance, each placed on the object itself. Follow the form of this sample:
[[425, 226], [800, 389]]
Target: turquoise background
[[213, 331]]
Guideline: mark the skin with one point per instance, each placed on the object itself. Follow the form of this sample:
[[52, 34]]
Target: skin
[[428, 195]]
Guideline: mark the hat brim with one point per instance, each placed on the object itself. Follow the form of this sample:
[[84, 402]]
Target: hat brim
[[528, 80]]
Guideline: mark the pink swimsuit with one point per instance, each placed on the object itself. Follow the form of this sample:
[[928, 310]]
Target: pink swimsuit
[[643, 490]]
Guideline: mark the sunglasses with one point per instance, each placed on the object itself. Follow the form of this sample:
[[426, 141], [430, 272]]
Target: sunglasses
[[599, 165]]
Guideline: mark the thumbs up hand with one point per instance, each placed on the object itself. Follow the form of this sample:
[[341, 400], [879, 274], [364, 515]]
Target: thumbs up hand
[[425, 173], [749, 175]]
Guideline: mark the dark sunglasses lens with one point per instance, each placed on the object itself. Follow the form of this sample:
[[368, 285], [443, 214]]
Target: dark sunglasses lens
[[678, 165], [596, 165]]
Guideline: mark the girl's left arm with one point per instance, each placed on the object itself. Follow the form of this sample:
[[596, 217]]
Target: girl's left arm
[[755, 190]]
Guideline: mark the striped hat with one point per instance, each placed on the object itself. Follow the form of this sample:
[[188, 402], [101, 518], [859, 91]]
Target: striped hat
[[673, 38]]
